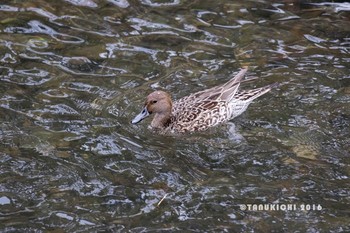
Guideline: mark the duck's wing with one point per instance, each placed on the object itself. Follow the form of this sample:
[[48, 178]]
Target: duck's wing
[[223, 92], [197, 116]]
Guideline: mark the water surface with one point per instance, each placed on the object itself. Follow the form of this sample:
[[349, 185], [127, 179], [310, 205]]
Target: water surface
[[74, 73]]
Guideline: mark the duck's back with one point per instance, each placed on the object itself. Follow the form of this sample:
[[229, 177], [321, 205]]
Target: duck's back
[[191, 114]]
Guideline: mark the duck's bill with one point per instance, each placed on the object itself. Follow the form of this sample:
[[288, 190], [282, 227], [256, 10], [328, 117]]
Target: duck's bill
[[142, 115]]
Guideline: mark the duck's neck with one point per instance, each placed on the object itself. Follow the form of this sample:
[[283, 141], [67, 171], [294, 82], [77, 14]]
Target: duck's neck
[[161, 120]]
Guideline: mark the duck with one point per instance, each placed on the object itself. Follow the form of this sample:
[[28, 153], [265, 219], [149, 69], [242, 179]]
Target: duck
[[201, 110]]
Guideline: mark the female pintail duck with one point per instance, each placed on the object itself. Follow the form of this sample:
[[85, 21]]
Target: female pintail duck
[[200, 110]]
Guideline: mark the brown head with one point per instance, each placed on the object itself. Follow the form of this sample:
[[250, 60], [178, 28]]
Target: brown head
[[158, 103]]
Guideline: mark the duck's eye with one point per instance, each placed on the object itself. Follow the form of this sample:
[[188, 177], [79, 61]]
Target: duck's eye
[[154, 101]]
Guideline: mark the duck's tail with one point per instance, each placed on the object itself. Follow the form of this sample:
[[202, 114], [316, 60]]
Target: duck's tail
[[250, 95], [242, 99]]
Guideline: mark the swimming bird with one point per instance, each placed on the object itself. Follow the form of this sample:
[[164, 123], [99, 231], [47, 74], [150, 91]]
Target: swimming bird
[[199, 110]]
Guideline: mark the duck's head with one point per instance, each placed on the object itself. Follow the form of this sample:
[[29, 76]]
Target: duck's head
[[158, 103]]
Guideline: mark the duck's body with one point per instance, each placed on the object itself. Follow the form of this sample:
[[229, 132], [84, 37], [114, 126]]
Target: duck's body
[[200, 110]]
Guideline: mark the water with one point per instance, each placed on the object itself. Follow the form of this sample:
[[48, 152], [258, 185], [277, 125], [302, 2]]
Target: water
[[74, 73]]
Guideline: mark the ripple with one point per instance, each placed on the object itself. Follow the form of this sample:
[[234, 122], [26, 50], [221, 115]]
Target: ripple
[[140, 24], [314, 39], [78, 63], [38, 43], [67, 38], [5, 200], [87, 26], [89, 89], [58, 109], [8, 8], [120, 3], [87, 3], [117, 47], [77, 66], [34, 72], [38, 27], [8, 58], [30, 77], [102, 145], [42, 12], [337, 6], [290, 17], [164, 3], [56, 93], [70, 218]]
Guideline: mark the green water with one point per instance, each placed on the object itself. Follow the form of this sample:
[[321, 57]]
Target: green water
[[74, 73]]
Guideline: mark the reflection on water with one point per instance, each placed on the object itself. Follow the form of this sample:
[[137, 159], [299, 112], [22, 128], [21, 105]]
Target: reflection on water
[[73, 73]]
